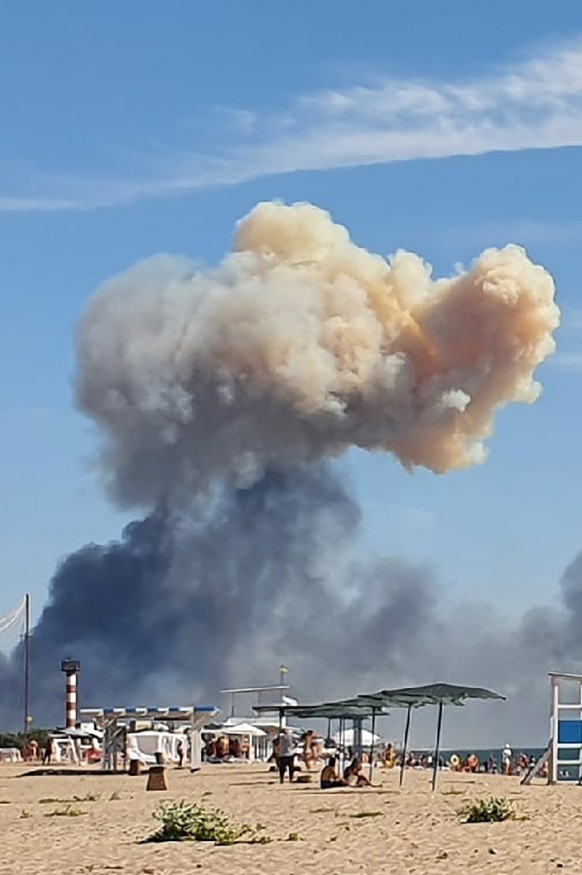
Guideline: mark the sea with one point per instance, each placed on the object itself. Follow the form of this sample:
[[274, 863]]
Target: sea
[[489, 753]]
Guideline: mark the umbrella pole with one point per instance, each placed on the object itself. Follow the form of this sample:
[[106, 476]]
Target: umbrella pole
[[328, 736], [405, 745], [372, 743], [437, 748]]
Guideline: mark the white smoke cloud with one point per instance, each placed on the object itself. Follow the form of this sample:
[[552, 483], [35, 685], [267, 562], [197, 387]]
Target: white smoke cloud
[[301, 345]]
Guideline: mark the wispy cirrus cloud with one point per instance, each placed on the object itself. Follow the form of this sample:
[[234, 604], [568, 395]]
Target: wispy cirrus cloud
[[535, 103]]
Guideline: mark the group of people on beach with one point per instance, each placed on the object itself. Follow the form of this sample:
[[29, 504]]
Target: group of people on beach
[[290, 756], [224, 747], [32, 753], [286, 751]]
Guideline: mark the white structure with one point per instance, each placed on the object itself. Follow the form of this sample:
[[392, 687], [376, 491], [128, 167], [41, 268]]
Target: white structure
[[258, 740], [117, 723], [145, 746], [350, 737], [566, 728], [258, 694]]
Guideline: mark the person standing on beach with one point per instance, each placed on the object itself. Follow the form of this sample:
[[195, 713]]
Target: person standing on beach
[[286, 755], [506, 759], [48, 752]]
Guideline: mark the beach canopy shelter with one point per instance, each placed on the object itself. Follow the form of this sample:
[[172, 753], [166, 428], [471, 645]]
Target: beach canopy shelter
[[116, 722], [419, 697], [342, 710]]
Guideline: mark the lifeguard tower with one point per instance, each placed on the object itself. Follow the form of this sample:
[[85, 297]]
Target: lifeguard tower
[[565, 748]]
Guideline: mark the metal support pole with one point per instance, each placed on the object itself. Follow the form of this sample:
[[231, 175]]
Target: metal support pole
[[26, 664], [405, 745], [372, 743], [554, 731], [435, 767]]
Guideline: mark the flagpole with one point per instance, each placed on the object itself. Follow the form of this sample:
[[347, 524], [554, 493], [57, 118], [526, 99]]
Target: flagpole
[[26, 661]]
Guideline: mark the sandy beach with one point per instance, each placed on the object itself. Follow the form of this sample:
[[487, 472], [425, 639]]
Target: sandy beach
[[383, 830]]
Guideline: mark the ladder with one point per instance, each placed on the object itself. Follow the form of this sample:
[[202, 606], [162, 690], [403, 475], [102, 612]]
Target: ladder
[[537, 767]]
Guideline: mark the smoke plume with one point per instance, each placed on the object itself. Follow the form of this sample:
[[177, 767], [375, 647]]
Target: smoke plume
[[222, 396], [300, 346]]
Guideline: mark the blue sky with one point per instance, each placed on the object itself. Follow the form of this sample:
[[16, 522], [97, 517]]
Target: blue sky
[[136, 128]]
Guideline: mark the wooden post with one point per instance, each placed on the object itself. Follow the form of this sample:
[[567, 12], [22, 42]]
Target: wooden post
[[157, 778]]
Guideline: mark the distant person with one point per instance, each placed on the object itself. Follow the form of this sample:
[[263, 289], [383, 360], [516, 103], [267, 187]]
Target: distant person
[[506, 756], [354, 775], [389, 757], [222, 747], [180, 752], [472, 763], [329, 777], [286, 755], [48, 752]]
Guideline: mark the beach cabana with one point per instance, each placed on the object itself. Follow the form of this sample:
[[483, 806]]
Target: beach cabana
[[419, 697], [353, 709]]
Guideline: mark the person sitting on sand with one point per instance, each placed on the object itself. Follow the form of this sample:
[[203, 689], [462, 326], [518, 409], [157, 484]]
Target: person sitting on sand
[[354, 775], [472, 763], [329, 777]]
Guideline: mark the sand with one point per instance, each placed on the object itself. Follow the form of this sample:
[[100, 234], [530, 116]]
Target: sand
[[412, 830]]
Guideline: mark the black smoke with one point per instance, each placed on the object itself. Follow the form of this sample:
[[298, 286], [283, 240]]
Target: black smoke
[[222, 592], [189, 601]]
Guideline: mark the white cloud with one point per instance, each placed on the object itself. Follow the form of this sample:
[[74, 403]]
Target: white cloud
[[533, 104]]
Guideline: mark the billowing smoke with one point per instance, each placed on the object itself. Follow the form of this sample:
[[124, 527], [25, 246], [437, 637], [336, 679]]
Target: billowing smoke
[[300, 346], [192, 598], [221, 397]]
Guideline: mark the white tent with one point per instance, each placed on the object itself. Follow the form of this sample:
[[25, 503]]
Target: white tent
[[347, 738], [258, 738], [144, 746], [242, 729]]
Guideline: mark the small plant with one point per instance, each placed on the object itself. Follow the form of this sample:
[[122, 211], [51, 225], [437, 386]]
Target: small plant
[[190, 822], [88, 797], [367, 814], [24, 814], [67, 811], [489, 811], [114, 796]]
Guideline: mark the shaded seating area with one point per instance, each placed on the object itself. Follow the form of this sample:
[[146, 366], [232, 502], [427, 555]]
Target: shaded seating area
[[374, 705]]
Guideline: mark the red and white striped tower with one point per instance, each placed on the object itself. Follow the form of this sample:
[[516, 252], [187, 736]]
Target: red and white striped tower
[[71, 668]]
